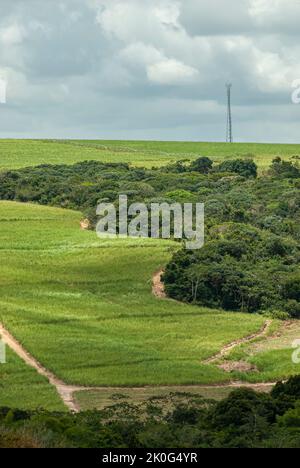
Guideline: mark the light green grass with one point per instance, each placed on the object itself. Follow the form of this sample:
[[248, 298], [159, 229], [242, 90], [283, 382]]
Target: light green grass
[[83, 306], [23, 388], [15, 154]]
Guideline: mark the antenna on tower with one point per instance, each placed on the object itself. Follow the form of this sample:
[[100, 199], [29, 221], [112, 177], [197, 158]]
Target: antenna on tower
[[229, 137]]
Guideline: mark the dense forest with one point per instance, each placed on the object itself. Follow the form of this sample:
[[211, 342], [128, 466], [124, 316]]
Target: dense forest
[[245, 419], [250, 261]]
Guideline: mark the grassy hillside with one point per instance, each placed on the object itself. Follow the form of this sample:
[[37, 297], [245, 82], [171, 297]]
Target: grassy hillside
[[21, 153], [84, 307], [21, 387]]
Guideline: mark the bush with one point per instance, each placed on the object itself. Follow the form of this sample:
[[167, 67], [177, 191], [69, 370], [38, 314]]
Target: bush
[[277, 314], [203, 165], [291, 288], [244, 167], [293, 309], [284, 169], [290, 389]]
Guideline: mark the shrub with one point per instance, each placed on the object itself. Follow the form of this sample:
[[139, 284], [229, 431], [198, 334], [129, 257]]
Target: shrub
[[244, 167], [293, 309], [203, 165], [284, 169]]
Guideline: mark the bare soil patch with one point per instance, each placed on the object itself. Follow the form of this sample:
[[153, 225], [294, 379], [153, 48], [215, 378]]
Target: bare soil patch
[[158, 288], [238, 366]]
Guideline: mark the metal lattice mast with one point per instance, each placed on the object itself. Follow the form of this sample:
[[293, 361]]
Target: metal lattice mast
[[229, 137]]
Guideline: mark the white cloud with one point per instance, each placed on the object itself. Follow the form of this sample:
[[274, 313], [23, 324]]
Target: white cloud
[[12, 34], [159, 68], [134, 20], [140, 53], [168, 13], [267, 69], [271, 72], [171, 72]]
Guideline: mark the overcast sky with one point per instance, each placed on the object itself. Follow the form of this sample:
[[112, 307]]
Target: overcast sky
[[149, 69]]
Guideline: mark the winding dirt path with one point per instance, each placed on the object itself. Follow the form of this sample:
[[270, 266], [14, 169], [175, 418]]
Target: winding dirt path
[[228, 348], [65, 391], [158, 290]]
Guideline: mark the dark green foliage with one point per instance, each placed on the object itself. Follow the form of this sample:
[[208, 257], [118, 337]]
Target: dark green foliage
[[250, 261], [245, 419], [285, 169], [289, 389], [244, 167], [291, 288], [293, 308], [203, 165], [234, 269]]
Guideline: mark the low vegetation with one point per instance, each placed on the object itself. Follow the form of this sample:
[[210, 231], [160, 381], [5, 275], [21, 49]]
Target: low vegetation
[[83, 306], [23, 387], [252, 223], [16, 154], [245, 419]]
